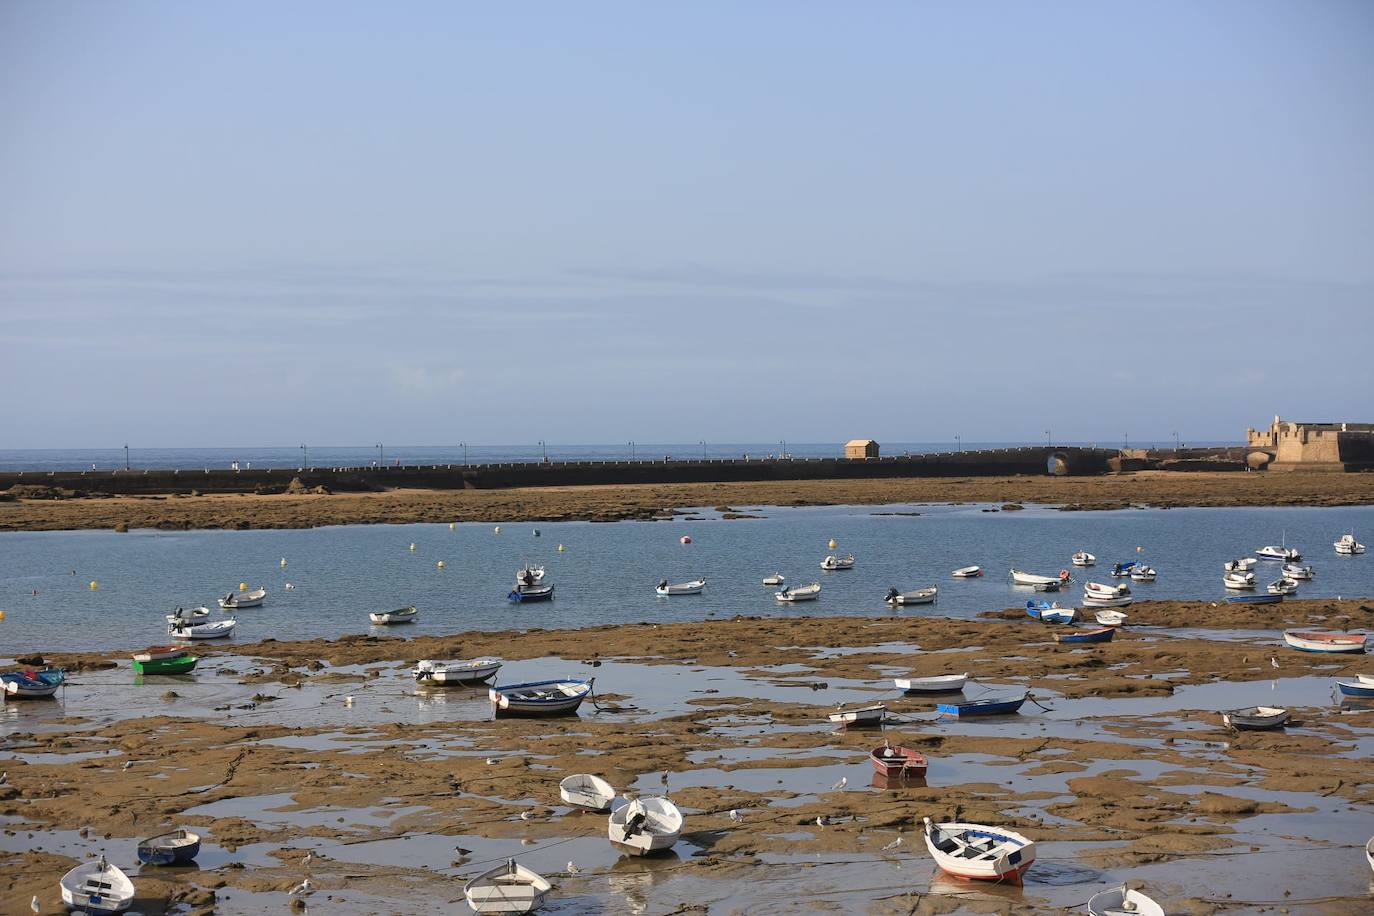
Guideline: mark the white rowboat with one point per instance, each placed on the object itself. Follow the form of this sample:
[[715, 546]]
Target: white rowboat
[[863, 715], [400, 615], [1097, 589], [188, 614], [508, 888], [216, 630], [1238, 581], [834, 562], [1283, 586], [583, 790], [1083, 558], [1019, 577], [967, 572], [1294, 571], [539, 698], [1319, 641], [1143, 574], [1122, 901], [1111, 618], [1255, 718], [438, 673], [775, 579], [235, 600], [1240, 565], [663, 590], [940, 683], [919, 596], [97, 887], [979, 852], [645, 825], [803, 593], [1094, 600]]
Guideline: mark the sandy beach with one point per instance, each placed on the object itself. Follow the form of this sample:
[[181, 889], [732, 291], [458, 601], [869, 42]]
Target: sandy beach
[[1116, 491], [1121, 768]]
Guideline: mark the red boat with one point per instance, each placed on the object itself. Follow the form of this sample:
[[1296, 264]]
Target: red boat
[[898, 762]]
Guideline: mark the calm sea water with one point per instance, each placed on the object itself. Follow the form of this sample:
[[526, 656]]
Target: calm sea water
[[356, 456], [607, 572]]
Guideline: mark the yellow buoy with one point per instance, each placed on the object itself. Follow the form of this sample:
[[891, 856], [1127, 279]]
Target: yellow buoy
[[560, 548], [498, 529], [283, 561], [440, 564], [95, 584], [243, 586], [2, 615], [834, 543], [412, 546]]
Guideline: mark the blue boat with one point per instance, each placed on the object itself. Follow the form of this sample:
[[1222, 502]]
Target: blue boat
[[30, 684], [180, 847], [531, 593], [992, 706], [1121, 570], [1253, 599], [1101, 634], [1049, 613], [540, 698], [1356, 689]]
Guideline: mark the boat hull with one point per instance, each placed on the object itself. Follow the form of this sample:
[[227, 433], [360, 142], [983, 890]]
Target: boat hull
[[947, 683], [1254, 720], [538, 593], [869, 715], [439, 674], [32, 685], [990, 707], [182, 665], [898, 762], [1325, 642], [505, 701], [150, 852], [1104, 634], [1007, 868]]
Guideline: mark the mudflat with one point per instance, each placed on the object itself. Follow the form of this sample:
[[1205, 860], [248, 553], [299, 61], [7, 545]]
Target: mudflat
[[1119, 767], [645, 501]]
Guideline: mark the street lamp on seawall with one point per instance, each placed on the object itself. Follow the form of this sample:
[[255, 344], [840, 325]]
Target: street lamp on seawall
[[465, 452], [703, 449], [305, 456], [632, 449], [545, 450], [381, 455], [126, 456]]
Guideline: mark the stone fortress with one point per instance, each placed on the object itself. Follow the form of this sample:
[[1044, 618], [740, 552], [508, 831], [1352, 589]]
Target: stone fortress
[[1289, 445]]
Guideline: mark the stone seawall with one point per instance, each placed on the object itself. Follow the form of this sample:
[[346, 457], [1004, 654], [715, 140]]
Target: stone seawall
[[975, 463]]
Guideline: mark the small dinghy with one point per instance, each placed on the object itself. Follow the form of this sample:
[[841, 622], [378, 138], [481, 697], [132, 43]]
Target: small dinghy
[[967, 572], [979, 852], [940, 683], [216, 630], [583, 790], [1272, 552], [898, 762], [919, 596], [236, 600], [1255, 718], [1144, 574], [1039, 583], [1254, 599], [508, 888], [165, 660], [645, 825], [1083, 558], [990, 706], [694, 587], [804, 593], [1122, 901], [834, 562], [1121, 570], [859, 716], [428, 672], [1241, 565], [180, 847], [97, 887], [1046, 612], [1284, 586], [1239, 581], [1294, 571], [1320, 641], [1347, 546], [775, 579], [540, 698], [400, 615], [1110, 618], [1360, 689], [189, 615], [1091, 600], [1098, 590], [1101, 634], [32, 685], [531, 593]]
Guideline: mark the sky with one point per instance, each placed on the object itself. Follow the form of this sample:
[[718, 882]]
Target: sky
[[264, 223]]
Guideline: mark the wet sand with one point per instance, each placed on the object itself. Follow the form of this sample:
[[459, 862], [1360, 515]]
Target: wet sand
[[1114, 491], [1121, 770]]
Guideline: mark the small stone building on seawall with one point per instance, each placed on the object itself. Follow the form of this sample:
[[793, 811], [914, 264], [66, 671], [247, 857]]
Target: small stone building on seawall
[[1315, 446], [861, 448]]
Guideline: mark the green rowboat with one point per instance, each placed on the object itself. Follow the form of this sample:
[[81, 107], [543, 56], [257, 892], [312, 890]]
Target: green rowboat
[[179, 665]]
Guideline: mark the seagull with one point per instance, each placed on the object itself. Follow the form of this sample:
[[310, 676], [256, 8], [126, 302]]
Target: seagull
[[525, 815], [306, 861], [33, 904], [572, 867], [492, 761], [844, 781], [1273, 661], [289, 586], [820, 820], [4, 778], [736, 816], [127, 764], [348, 700], [895, 843], [300, 890]]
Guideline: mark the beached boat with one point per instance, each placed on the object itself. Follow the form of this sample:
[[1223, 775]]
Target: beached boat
[[979, 852], [1357, 688], [1110, 618], [1264, 598], [990, 706], [694, 587], [919, 596], [1240, 565], [189, 615], [859, 715], [1369, 852], [1143, 573], [1255, 718], [803, 593], [833, 562], [180, 847], [1322, 641], [525, 593], [1295, 571], [1100, 634], [1040, 583], [508, 888], [1121, 570], [967, 572], [583, 790], [775, 579], [1284, 586], [529, 575], [30, 684], [1278, 552], [939, 683], [646, 825], [1347, 546], [1083, 558], [1365, 678], [1046, 612], [237, 600], [430, 672], [97, 887], [215, 630], [400, 615], [540, 698], [165, 660], [897, 762], [1090, 600], [1123, 901], [1239, 580]]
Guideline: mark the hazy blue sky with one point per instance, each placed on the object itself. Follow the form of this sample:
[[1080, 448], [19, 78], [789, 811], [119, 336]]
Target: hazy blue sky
[[582, 222]]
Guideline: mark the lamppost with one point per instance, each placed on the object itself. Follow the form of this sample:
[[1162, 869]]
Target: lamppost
[[632, 450], [465, 452], [305, 457], [958, 445], [381, 455], [1125, 441], [1047, 438], [126, 456], [546, 450], [782, 449], [1175, 440], [703, 449]]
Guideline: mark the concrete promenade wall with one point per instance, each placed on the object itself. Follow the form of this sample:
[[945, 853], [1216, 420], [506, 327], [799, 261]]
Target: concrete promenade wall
[[973, 463]]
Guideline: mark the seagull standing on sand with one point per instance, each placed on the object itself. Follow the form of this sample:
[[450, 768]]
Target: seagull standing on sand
[[572, 867], [305, 863], [820, 820], [4, 780], [127, 764], [844, 781], [302, 889], [525, 815], [1273, 661], [895, 843], [736, 816], [33, 904]]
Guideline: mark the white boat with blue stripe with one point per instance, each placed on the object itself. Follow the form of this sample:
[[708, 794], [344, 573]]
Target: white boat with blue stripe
[[540, 698]]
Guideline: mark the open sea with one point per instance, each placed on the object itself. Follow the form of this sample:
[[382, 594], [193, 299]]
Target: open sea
[[606, 573]]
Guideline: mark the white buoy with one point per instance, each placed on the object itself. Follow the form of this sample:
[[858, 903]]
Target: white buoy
[[498, 529], [283, 562], [412, 546], [560, 548], [833, 544]]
